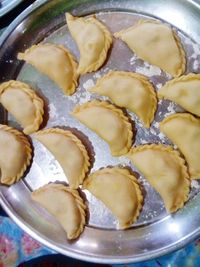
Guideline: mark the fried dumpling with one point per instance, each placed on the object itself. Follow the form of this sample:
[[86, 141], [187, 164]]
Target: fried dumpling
[[23, 103], [183, 130], [130, 90], [15, 155], [156, 43], [56, 62], [108, 122], [93, 40], [69, 151], [119, 190], [65, 205], [185, 91], [166, 172]]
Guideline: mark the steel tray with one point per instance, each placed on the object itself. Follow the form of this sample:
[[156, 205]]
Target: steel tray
[[156, 232]]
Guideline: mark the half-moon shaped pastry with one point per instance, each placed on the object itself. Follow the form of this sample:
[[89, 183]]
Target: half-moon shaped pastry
[[23, 103], [165, 170], [156, 43], [129, 90], [119, 190], [56, 62], [69, 151], [108, 122], [15, 155], [93, 40], [65, 205], [183, 130], [185, 91]]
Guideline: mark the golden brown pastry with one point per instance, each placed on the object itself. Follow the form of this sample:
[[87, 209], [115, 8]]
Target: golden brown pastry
[[108, 122], [165, 170], [15, 155], [119, 190], [156, 43], [56, 62], [183, 130], [93, 40], [69, 151], [65, 205], [129, 90], [23, 103], [185, 91]]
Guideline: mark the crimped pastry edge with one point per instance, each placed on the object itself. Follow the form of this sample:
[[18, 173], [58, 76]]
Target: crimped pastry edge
[[180, 161], [79, 201], [140, 77], [119, 112], [79, 144], [133, 179], [28, 150]]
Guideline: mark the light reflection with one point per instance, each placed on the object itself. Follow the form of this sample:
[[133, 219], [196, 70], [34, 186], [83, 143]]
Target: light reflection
[[82, 244], [174, 227], [174, 16]]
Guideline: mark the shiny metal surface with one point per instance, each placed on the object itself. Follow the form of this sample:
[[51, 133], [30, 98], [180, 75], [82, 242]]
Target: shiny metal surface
[[156, 232], [8, 5]]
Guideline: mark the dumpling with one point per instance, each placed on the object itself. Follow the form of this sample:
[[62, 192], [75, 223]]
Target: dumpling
[[130, 90], [185, 91], [108, 122], [69, 151], [93, 40], [119, 190], [183, 130], [156, 43], [56, 62], [165, 170], [15, 155], [23, 103], [65, 204]]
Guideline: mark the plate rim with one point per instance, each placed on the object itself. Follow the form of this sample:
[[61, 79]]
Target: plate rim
[[41, 238]]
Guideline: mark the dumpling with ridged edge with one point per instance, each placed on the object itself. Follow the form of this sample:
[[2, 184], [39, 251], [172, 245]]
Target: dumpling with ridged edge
[[183, 130], [107, 121], [119, 190], [93, 40], [69, 151], [15, 154], [65, 205], [56, 62], [129, 90], [165, 170], [23, 103], [185, 91], [156, 43]]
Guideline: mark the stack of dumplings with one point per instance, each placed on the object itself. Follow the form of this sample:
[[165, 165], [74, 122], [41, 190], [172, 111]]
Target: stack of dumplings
[[166, 169]]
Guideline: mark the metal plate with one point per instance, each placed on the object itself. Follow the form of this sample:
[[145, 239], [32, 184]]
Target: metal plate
[[156, 232], [8, 5]]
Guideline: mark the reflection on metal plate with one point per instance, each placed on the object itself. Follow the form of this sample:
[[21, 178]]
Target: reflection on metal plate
[[8, 5], [156, 232]]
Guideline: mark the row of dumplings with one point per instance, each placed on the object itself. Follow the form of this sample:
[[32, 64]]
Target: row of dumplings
[[170, 175], [94, 40]]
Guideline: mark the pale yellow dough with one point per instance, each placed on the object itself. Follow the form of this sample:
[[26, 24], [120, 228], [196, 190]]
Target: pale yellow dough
[[93, 40], [183, 130], [108, 122], [156, 43], [119, 190], [166, 172], [15, 155], [65, 205], [69, 151], [56, 62], [130, 90], [23, 103], [185, 91]]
